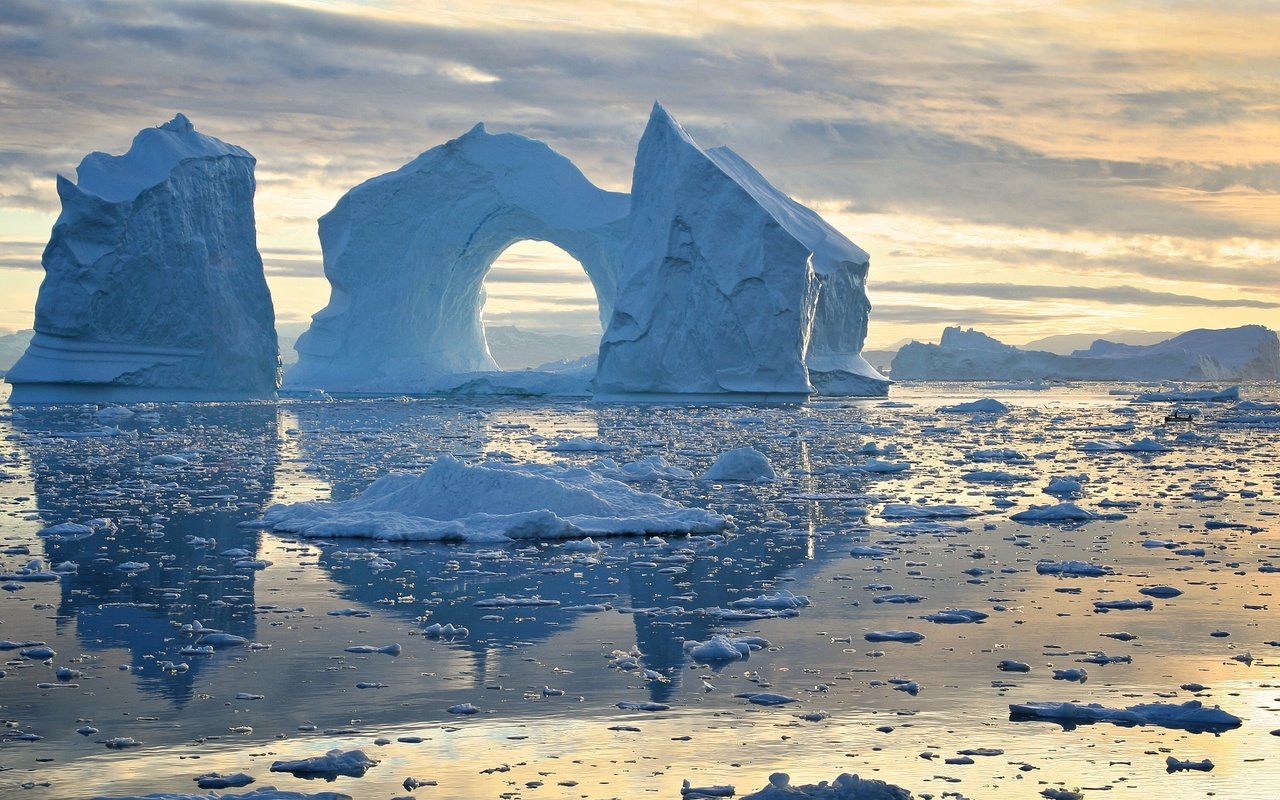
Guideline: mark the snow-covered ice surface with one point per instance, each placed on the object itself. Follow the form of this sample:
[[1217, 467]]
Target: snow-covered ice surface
[[625, 666]]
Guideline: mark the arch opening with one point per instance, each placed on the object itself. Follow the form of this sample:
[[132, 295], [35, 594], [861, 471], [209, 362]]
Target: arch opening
[[540, 309]]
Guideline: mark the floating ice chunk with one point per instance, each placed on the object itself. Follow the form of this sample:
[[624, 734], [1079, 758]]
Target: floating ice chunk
[[1074, 568], [494, 501], [586, 545], [502, 601], [1073, 674], [1062, 512], [447, 631], [993, 476], [911, 511], [1229, 394], [884, 467], [998, 454], [721, 649], [221, 640], [767, 698], [1122, 605], [781, 600], [1191, 715], [845, 787], [331, 765], [952, 616], [214, 780], [1177, 765], [742, 465], [696, 792], [1160, 591], [626, 705], [122, 743], [869, 551], [463, 709], [653, 468], [1009, 665], [893, 636], [580, 445], [987, 405], [899, 598], [390, 650]]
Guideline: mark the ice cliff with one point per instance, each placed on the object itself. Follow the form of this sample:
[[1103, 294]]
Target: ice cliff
[[1250, 352], [721, 282], [153, 285], [407, 253]]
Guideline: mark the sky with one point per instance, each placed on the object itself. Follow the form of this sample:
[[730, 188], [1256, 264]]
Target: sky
[[1026, 168]]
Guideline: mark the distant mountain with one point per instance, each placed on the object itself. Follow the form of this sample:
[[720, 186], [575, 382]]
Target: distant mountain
[[12, 346], [1249, 352], [518, 348], [1064, 344]]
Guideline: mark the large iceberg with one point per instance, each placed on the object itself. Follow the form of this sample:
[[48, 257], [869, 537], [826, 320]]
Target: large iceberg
[[710, 282], [721, 283], [153, 284], [407, 253], [1245, 353]]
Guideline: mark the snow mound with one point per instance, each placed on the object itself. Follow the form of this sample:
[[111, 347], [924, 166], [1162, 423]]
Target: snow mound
[[493, 501], [153, 285]]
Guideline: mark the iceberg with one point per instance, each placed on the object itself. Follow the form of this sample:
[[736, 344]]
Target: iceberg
[[721, 282], [1249, 352], [406, 254], [153, 286]]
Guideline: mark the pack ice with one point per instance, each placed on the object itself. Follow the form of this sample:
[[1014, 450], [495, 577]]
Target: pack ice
[[1249, 352], [153, 284]]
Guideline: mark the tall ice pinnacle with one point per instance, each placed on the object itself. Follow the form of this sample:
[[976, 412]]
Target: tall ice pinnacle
[[153, 286], [722, 282]]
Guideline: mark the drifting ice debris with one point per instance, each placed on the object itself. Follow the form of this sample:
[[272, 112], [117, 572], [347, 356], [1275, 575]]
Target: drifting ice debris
[[952, 616], [1073, 568], [987, 405], [893, 636], [845, 787], [331, 765], [1191, 715], [493, 502], [690, 792], [265, 793], [153, 285]]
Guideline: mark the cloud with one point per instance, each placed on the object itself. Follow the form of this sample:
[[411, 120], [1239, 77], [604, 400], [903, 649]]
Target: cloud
[[1111, 295]]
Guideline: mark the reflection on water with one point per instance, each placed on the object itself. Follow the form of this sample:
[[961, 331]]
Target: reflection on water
[[183, 486]]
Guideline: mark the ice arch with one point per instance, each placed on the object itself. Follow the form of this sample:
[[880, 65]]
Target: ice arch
[[406, 254]]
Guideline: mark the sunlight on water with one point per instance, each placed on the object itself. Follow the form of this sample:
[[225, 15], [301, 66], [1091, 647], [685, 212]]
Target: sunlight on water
[[185, 486]]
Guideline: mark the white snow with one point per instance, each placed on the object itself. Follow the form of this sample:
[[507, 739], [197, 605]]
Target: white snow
[[153, 285], [493, 501]]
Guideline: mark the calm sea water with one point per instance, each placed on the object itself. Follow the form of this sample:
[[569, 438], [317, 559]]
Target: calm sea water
[[299, 694]]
